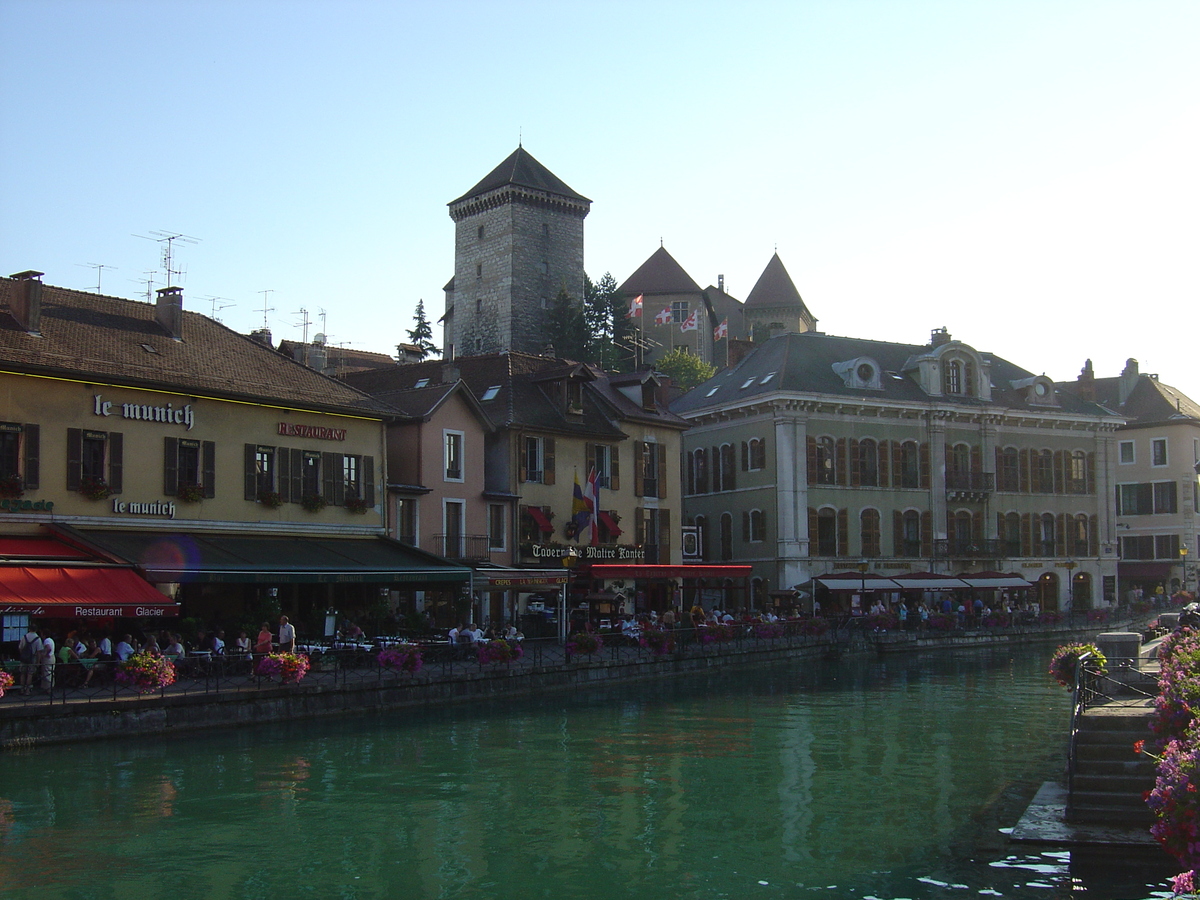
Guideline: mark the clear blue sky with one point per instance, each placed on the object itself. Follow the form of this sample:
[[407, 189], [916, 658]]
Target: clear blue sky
[[1022, 173]]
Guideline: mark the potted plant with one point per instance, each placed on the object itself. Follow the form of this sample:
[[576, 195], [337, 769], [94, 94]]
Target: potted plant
[[289, 667], [584, 642], [314, 503], [499, 651], [1065, 662], [357, 505], [95, 489], [270, 499], [660, 643], [6, 681], [191, 493], [402, 658], [10, 487], [145, 672]]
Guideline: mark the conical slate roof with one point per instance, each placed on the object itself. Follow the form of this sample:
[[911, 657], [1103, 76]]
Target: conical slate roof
[[522, 170], [660, 274], [774, 289]]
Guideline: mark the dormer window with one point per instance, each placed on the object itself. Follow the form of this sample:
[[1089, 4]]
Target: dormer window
[[575, 398], [862, 373], [1038, 390], [648, 396]]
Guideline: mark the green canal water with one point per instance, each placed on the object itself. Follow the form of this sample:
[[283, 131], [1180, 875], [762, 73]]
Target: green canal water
[[871, 778]]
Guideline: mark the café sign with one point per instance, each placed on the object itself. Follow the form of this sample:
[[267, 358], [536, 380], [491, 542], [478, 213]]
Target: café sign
[[169, 413], [587, 552]]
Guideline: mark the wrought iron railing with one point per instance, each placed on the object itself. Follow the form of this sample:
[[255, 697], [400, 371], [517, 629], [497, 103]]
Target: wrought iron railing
[[471, 547]]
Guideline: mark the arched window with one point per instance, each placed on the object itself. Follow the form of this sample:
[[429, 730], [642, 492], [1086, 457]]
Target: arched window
[[726, 536], [960, 533], [758, 526], [1079, 536], [827, 544], [723, 468], [952, 376], [1047, 546], [869, 532], [1077, 477], [911, 526], [958, 467], [826, 468], [1009, 476], [756, 454], [1043, 472], [910, 465], [698, 473], [1012, 535], [868, 463]]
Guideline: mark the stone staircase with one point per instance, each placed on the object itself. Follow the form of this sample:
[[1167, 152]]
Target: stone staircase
[[1110, 779]]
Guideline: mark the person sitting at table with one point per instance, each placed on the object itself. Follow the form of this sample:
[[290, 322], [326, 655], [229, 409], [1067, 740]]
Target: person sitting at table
[[476, 633], [124, 648], [175, 648], [263, 643], [151, 646], [218, 643], [241, 644], [106, 648], [452, 637], [90, 658]]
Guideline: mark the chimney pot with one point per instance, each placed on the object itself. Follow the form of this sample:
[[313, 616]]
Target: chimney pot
[[26, 304], [169, 311]]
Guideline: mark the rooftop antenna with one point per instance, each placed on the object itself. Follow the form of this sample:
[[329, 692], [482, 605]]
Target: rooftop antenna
[[168, 239], [215, 308], [99, 267], [266, 325], [149, 282], [324, 316], [304, 322]]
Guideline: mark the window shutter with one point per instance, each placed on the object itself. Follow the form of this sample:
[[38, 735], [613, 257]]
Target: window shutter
[[812, 460], [1060, 472], [170, 466], [1000, 532], [283, 464], [251, 482], [813, 531], [1091, 473], [368, 480], [116, 468], [339, 479], [882, 458], [897, 533], [855, 464], [664, 536], [639, 469], [547, 460], [662, 471], [523, 455], [639, 531], [1001, 483], [1062, 526], [1024, 466], [331, 468], [729, 472], [297, 474], [898, 463], [924, 460], [208, 469], [614, 480], [745, 527], [927, 533], [976, 460], [840, 465], [1026, 534], [745, 456], [1094, 536], [74, 458], [589, 455], [843, 532], [690, 468], [32, 455], [977, 526]]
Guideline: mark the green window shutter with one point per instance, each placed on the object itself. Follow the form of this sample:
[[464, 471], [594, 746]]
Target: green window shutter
[[32, 449], [170, 466], [116, 468]]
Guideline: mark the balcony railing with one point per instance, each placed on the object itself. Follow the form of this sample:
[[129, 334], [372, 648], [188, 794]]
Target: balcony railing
[[463, 547], [954, 548], [972, 482]]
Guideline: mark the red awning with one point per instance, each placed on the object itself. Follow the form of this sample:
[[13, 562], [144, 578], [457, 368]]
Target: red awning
[[613, 530], [540, 518], [617, 570], [77, 592], [38, 548]]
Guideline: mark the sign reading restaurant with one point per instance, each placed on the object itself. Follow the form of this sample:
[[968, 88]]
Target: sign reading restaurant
[[317, 432]]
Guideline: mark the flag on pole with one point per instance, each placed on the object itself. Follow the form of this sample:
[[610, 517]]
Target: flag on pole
[[581, 510], [635, 307], [721, 330], [593, 497], [691, 323], [664, 317]]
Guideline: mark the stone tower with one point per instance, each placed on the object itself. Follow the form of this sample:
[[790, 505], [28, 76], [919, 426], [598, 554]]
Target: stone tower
[[518, 239], [775, 306]]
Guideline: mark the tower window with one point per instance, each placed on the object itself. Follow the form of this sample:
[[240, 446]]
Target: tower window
[[481, 232], [546, 229], [478, 271]]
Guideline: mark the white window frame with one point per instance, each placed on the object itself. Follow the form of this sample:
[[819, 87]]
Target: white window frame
[[1121, 460], [497, 512], [451, 437], [1155, 442]]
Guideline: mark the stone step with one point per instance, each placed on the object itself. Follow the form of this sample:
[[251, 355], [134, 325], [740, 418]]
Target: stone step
[[1133, 785], [1087, 815], [1117, 768]]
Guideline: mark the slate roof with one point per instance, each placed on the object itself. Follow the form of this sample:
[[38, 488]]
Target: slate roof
[[1149, 403], [111, 340], [774, 289], [660, 274], [802, 363], [520, 169]]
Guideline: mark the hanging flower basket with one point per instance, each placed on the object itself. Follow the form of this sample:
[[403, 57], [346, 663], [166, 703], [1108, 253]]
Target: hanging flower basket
[[10, 487], [270, 499], [288, 667], [1065, 662], [6, 681], [584, 642], [499, 652], [357, 505], [402, 658], [661, 643], [95, 489], [191, 493], [314, 503], [145, 672]]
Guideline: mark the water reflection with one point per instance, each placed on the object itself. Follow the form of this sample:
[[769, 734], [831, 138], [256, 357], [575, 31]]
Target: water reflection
[[863, 778]]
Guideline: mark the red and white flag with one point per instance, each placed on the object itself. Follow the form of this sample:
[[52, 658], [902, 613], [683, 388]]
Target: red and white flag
[[721, 330], [664, 317], [635, 307], [691, 323]]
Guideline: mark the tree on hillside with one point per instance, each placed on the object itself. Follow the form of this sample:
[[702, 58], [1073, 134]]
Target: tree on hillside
[[421, 334], [566, 327], [685, 368], [609, 327]]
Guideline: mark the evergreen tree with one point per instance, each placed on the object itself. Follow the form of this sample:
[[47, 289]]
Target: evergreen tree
[[606, 317], [566, 327], [421, 334]]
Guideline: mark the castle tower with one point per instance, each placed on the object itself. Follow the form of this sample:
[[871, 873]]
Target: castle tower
[[518, 239], [774, 306]]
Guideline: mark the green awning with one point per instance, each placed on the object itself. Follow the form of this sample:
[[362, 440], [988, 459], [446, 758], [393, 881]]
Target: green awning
[[244, 558]]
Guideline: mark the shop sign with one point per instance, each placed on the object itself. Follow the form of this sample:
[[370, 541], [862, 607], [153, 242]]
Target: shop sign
[[165, 508], [589, 553], [12, 504], [169, 414], [317, 432]]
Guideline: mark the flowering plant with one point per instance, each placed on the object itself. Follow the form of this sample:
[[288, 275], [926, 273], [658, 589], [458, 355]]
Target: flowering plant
[[1178, 686], [6, 681], [941, 622], [190, 493], [584, 642], [313, 502], [290, 667], [717, 634], [402, 657], [270, 499], [814, 627], [499, 651], [1097, 615], [145, 672], [997, 620], [769, 630], [1050, 618], [1175, 803], [11, 486], [1065, 662], [882, 621], [660, 642], [357, 505], [95, 489]]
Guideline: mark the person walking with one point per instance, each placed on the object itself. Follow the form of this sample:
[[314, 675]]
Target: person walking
[[29, 651], [47, 660], [287, 636]]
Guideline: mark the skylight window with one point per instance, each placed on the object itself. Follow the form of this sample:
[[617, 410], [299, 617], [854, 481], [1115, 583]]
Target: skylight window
[[713, 391], [148, 348], [749, 381], [767, 377], [424, 382], [491, 392]]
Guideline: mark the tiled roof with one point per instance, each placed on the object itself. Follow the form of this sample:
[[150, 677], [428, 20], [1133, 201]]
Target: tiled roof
[[1149, 403], [660, 274], [803, 364], [91, 336], [520, 169]]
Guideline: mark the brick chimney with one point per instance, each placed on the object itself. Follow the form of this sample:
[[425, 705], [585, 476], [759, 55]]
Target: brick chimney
[[262, 336], [939, 336], [26, 303], [1086, 383], [1128, 380], [739, 350], [169, 311]]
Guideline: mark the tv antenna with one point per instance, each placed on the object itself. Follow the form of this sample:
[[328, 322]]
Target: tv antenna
[[266, 309], [305, 321], [215, 308], [168, 239], [324, 316], [99, 267], [149, 282]]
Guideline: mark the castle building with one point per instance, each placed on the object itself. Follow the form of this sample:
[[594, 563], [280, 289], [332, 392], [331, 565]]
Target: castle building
[[518, 241]]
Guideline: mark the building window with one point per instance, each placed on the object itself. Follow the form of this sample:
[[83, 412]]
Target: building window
[[19, 454], [911, 530], [1009, 478], [827, 543], [910, 465], [680, 310], [1043, 472], [724, 468], [497, 526], [952, 377], [698, 471], [452, 520], [756, 454], [959, 528], [187, 466], [869, 533], [10, 451], [726, 536], [479, 233], [538, 461], [1077, 473], [868, 463], [1079, 535], [958, 467], [94, 458], [1158, 452], [479, 271], [352, 476], [755, 527], [1166, 546], [826, 466], [649, 466], [310, 474], [1165, 497], [1043, 537], [605, 461], [1010, 534], [453, 452], [1126, 453]]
